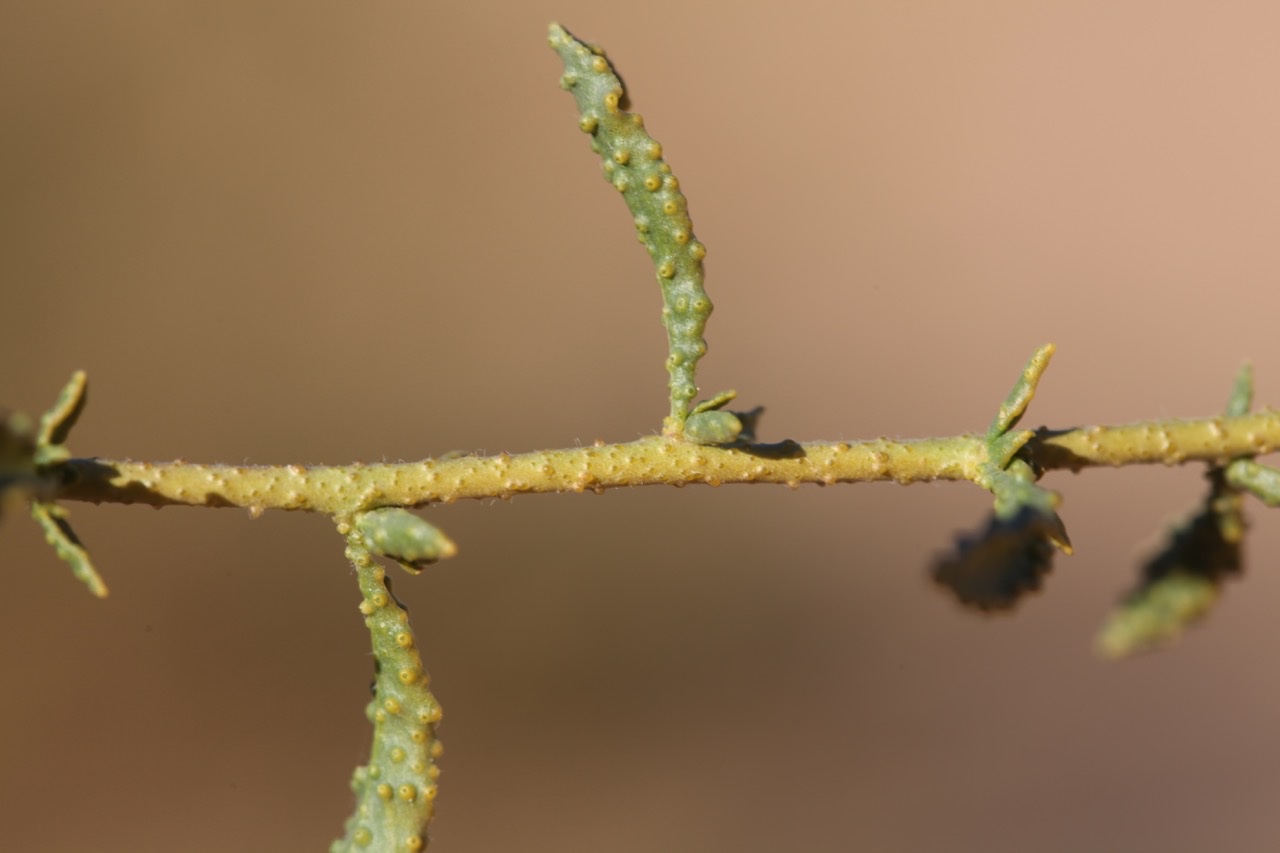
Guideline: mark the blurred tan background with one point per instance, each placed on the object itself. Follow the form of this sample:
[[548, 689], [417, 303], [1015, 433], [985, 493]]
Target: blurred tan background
[[326, 232]]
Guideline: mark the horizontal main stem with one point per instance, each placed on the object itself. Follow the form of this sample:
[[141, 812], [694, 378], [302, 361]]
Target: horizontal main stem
[[337, 490]]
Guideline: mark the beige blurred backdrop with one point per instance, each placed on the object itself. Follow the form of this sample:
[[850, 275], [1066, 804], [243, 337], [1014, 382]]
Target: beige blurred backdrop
[[326, 232]]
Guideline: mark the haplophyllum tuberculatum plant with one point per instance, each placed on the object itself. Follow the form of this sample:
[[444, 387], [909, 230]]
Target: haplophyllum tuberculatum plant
[[700, 442]]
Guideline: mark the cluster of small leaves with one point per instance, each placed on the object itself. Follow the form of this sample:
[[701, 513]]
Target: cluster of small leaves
[[19, 481], [991, 570], [30, 468], [711, 423], [1182, 581], [995, 568]]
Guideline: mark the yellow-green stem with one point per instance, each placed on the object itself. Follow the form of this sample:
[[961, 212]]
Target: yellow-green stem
[[652, 461]]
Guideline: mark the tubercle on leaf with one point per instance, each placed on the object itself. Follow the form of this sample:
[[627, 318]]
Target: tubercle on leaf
[[633, 164]]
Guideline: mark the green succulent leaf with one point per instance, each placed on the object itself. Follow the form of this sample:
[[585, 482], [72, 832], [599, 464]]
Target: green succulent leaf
[[719, 401], [1241, 399], [1182, 581], [1015, 490], [1012, 409], [714, 427], [58, 533], [634, 166], [1261, 481], [708, 423], [404, 537], [58, 421], [396, 790]]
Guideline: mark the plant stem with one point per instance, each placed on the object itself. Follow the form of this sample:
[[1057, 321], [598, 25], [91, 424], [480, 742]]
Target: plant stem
[[339, 490]]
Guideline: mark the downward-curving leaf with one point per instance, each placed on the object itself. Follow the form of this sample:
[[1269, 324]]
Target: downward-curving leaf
[[58, 533], [396, 790], [1182, 581]]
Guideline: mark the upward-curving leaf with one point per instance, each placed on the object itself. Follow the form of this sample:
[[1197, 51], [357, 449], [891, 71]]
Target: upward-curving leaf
[[633, 164]]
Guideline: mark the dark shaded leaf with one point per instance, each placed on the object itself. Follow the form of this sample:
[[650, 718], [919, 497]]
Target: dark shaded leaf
[[1182, 581], [993, 570], [18, 478]]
